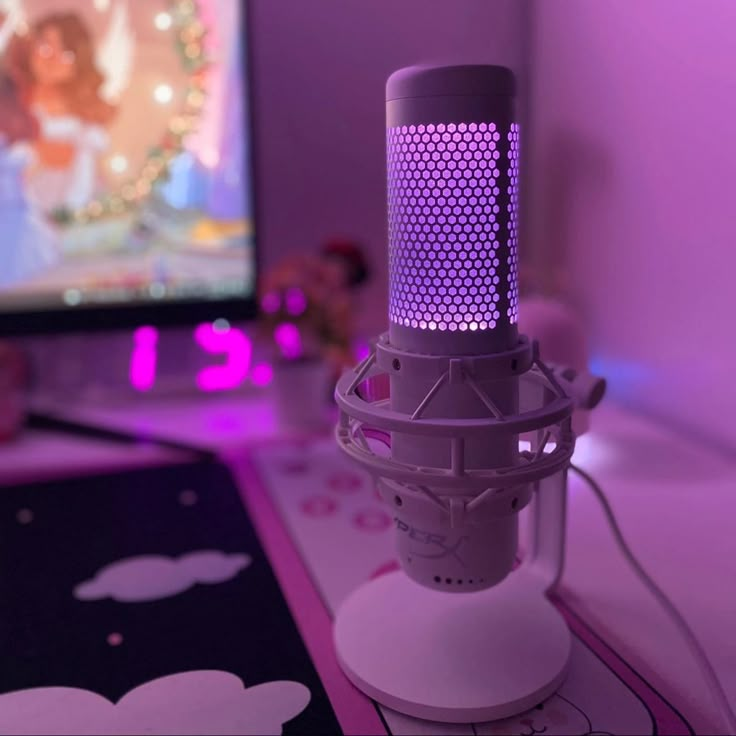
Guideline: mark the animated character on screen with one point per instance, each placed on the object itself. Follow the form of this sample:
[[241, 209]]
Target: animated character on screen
[[27, 243], [72, 88]]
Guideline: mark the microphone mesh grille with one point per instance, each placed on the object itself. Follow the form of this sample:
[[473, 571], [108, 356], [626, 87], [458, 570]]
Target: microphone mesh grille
[[513, 207], [447, 231]]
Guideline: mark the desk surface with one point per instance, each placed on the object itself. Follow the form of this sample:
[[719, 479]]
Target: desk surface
[[671, 498]]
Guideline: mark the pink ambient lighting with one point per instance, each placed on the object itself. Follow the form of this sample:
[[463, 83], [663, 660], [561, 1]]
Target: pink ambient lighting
[[345, 482], [361, 350], [115, 639], [318, 506], [296, 302], [271, 302], [372, 521], [237, 348], [261, 375], [143, 359], [289, 340], [452, 198]]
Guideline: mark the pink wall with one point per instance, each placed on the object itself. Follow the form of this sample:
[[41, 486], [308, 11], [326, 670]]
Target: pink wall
[[320, 69], [632, 190]]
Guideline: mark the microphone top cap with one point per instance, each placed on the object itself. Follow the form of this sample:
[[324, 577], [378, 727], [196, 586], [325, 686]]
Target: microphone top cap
[[476, 80]]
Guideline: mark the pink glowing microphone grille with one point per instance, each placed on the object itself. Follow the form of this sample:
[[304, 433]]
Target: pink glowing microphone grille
[[447, 230], [512, 257]]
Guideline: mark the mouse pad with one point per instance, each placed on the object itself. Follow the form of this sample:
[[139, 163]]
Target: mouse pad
[[143, 602], [328, 504]]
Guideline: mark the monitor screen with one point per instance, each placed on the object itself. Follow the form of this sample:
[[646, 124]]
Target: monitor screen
[[125, 176]]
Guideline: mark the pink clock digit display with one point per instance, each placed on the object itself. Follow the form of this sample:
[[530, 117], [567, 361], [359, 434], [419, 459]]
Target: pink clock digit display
[[237, 348], [289, 340], [215, 339], [143, 359]]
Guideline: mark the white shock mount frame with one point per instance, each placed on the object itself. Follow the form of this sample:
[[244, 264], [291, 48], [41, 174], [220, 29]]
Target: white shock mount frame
[[547, 425], [508, 646]]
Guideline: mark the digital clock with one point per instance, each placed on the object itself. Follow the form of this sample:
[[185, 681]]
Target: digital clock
[[234, 347]]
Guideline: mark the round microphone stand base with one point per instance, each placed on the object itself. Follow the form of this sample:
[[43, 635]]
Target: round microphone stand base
[[453, 657]]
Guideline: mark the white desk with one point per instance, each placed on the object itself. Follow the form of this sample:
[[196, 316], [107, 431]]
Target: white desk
[[674, 501]]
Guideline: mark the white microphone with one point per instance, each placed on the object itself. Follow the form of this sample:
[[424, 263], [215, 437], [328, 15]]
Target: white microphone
[[464, 389], [452, 352], [452, 197]]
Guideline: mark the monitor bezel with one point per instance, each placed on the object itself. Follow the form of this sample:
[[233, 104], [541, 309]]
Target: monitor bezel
[[161, 314]]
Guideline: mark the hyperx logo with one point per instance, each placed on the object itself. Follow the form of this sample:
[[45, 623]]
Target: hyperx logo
[[437, 540]]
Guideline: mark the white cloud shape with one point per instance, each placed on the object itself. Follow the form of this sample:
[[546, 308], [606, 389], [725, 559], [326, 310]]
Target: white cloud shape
[[153, 577], [200, 702]]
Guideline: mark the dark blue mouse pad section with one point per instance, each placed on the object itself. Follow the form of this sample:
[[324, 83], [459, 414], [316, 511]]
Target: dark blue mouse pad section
[[143, 601]]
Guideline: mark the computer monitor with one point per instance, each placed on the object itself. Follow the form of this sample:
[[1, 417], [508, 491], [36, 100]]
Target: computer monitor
[[126, 188]]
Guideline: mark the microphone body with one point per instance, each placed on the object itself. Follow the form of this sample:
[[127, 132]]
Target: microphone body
[[464, 389], [452, 155]]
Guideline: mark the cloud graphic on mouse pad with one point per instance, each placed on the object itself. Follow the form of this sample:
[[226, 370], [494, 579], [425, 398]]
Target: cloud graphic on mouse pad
[[154, 577], [200, 702]]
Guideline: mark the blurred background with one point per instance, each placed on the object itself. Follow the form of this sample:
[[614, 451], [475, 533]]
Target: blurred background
[[194, 247], [627, 163]]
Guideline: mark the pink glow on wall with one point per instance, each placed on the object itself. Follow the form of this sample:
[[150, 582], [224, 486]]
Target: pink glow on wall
[[271, 302], [261, 375], [361, 350], [143, 359], [296, 302], [289, 340], [630, 195], [237, 348]]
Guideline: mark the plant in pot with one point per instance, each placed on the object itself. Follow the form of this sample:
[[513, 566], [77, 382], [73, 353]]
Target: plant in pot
[[307, 305]]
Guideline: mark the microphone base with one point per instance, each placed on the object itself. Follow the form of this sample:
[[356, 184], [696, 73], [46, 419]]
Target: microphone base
[[449, 657]]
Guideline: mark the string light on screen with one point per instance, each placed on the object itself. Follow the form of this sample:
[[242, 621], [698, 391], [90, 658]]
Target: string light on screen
[[163, 21], [188, 34], [163, 94], [118, 164]]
